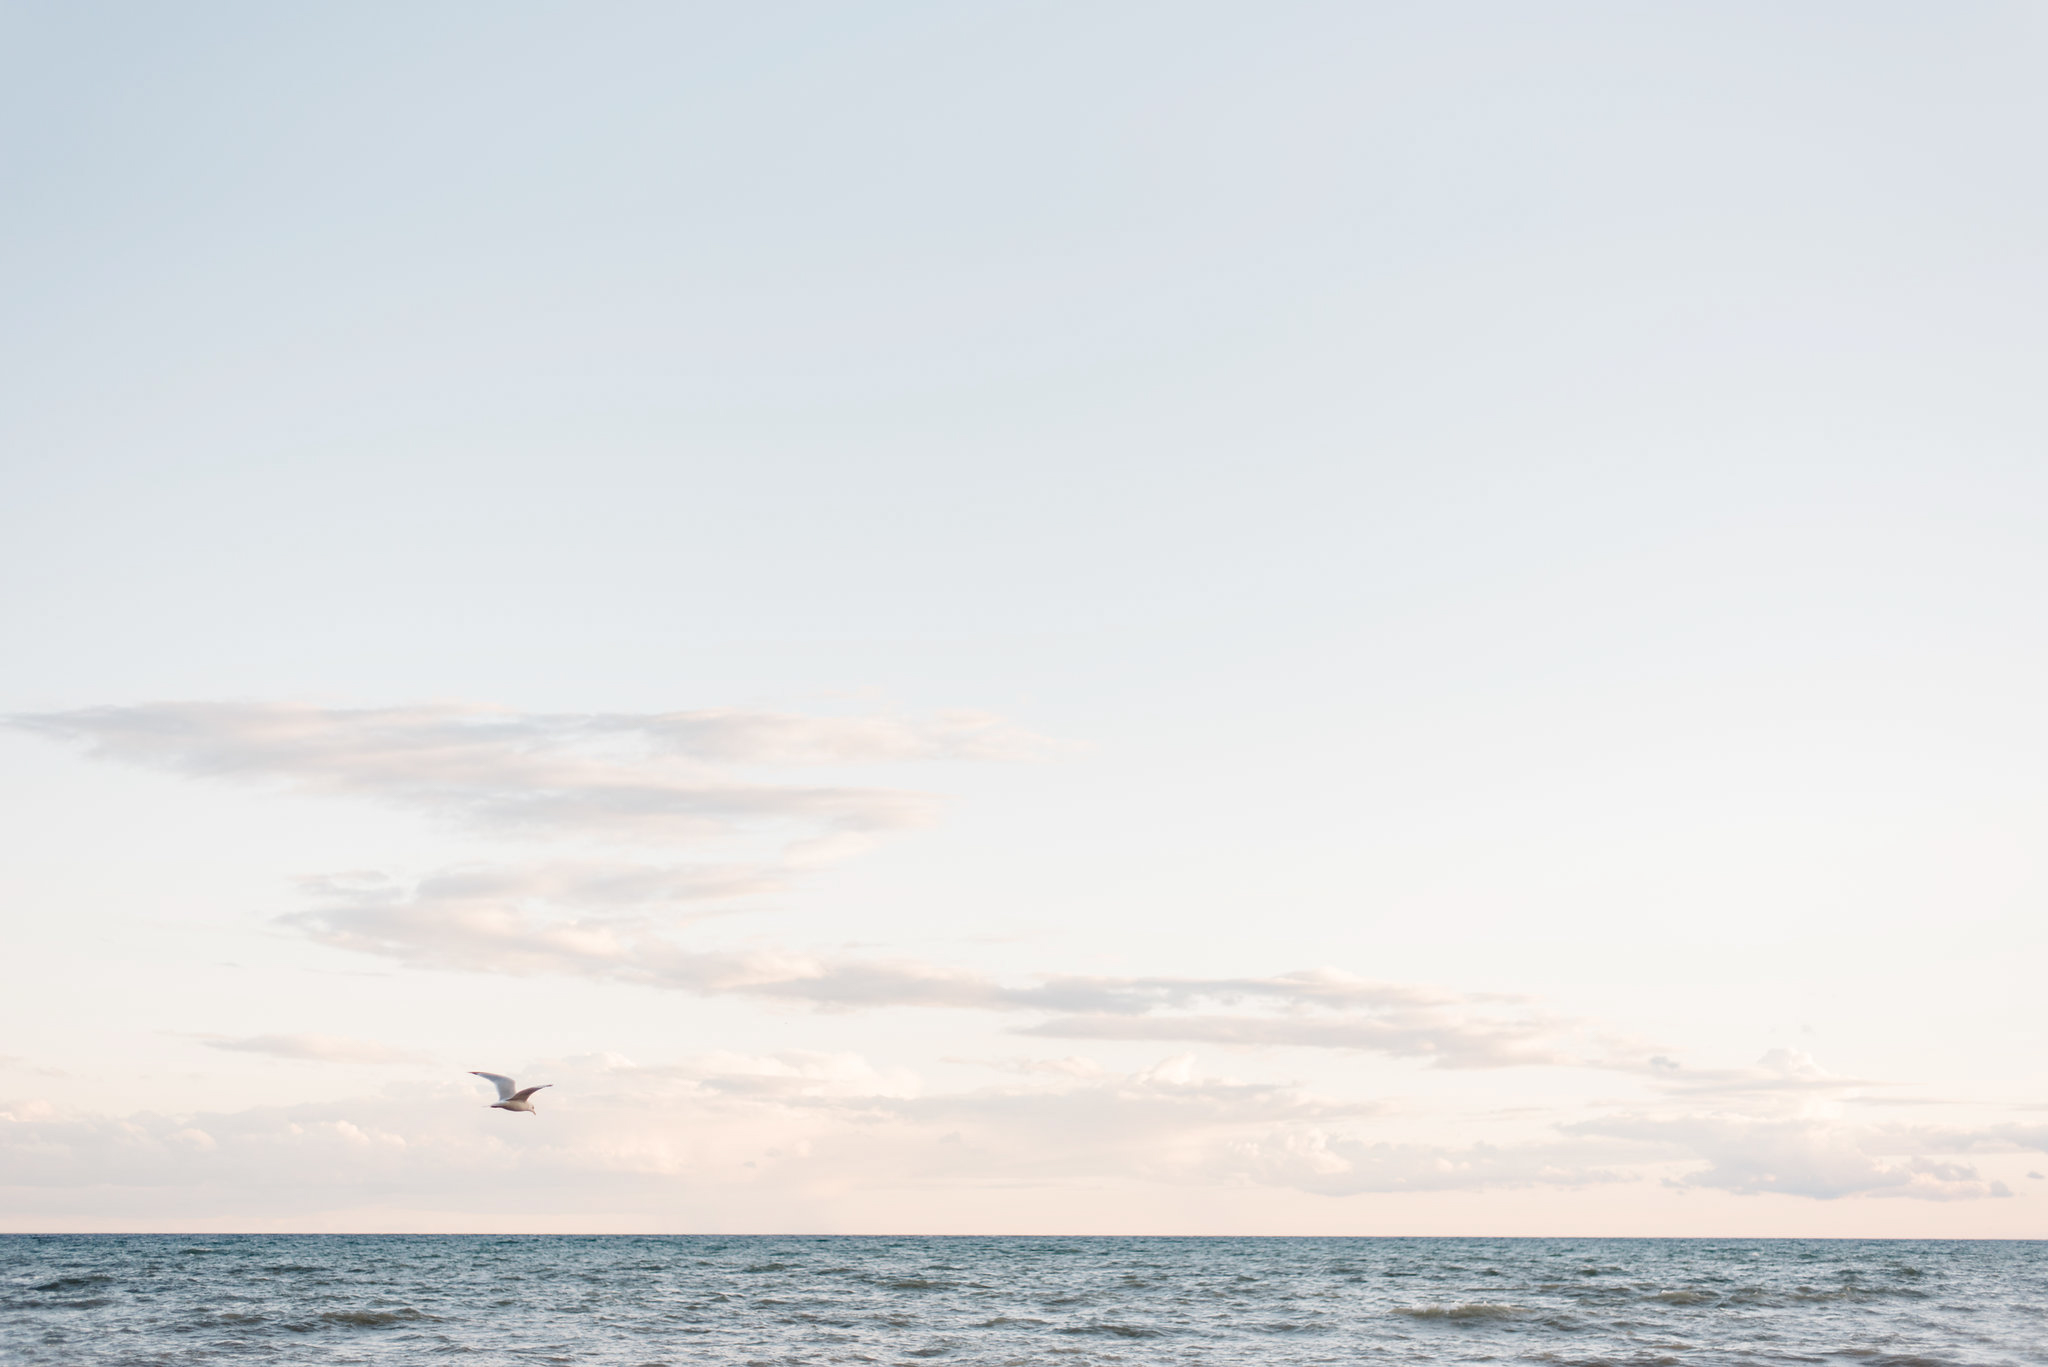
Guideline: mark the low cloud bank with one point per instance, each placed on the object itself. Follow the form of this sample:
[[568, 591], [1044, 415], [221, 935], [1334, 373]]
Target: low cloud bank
[[816, 1123], [1801, 1156]]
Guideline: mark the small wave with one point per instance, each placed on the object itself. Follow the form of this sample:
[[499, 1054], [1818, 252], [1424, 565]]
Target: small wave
[[1685, 1297], [1291, 1327], [1857, 1293], [1469, 1310], [374, 1319], [1121, 1331], [73, 1283]]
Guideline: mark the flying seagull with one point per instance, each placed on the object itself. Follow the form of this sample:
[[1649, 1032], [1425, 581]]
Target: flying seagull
[[508, 1099]]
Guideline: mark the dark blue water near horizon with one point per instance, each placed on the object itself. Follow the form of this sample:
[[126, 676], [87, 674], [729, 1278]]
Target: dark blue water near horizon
[[637, 1301]]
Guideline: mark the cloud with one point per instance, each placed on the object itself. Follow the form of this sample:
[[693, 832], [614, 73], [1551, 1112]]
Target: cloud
[[1784, 1072], [316, 1048], [1797, 1156], [793, 1122], [608, 1128], [668, 1138], [463, 916], [1777, 1127], [2005, 1138], [455, 923], [666, 778], [1446, 1039], [479, 922], [1314, 1159], [669, 778], [1072, 1065], [379, 748], [1170, 1122], [672, 782], [12, 1062], [740, 736]]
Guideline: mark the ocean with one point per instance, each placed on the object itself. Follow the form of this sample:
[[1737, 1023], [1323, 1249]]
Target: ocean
[[639, 1301]]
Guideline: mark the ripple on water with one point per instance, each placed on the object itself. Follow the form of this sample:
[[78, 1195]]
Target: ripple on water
[[81, 1301]]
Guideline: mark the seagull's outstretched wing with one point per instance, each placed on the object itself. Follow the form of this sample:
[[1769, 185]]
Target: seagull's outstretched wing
[[521, 1096], [499, 1080]]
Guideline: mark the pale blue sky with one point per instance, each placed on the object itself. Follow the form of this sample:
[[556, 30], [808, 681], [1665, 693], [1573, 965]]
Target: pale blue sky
[[1536, 499]]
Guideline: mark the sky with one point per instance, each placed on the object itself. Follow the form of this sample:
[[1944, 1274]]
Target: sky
[[1015, 618]]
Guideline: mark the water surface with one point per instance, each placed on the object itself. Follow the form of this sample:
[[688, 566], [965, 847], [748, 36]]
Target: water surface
[[638, 1301]]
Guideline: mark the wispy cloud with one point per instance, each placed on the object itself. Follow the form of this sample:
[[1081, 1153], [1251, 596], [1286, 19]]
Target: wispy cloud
[[1789, 1073], [670, 781], [1320, 1009], [397, 748], [316, 1048], [1466, 1038], [615, 886], [458, 926], [468, 925], [666, 778]]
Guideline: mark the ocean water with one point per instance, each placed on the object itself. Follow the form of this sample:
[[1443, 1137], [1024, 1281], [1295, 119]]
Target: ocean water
[[634, 1301]]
